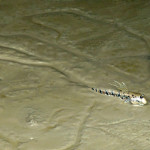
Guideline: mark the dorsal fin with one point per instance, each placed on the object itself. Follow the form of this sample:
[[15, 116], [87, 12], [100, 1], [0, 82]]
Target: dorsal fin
[[120, 86]]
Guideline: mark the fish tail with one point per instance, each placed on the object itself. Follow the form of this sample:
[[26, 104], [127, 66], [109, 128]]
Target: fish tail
[[107, 92], [98, 90]]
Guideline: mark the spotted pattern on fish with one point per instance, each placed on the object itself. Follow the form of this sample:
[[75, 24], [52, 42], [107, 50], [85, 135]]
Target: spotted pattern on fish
[[131, 97]]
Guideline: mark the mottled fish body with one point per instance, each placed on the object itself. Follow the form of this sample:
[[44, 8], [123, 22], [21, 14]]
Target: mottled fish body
[[124, 94]]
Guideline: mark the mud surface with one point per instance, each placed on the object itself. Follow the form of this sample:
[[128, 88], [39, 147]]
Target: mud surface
[[51, 53]]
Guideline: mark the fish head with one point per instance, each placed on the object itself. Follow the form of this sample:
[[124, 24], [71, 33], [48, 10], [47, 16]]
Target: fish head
[[138, 99]]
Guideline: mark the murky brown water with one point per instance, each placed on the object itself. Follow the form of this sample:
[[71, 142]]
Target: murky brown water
[[51, 52]]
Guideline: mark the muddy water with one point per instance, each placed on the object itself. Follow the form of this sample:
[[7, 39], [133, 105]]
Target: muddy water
[[51, 53]]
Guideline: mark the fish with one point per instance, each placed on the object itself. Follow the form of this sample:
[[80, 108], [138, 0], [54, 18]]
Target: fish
[[136, 99]]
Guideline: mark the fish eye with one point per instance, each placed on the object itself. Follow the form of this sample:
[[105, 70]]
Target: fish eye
[[141, 96]]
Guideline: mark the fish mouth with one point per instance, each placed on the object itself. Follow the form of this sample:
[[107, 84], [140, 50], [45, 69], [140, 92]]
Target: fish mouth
[[144, 101]]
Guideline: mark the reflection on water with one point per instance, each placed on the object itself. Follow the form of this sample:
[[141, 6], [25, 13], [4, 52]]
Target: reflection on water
[[52, 53]]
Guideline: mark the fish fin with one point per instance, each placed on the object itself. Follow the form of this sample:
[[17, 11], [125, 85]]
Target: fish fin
[[127, 100], [120, 86]]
